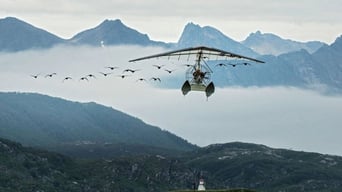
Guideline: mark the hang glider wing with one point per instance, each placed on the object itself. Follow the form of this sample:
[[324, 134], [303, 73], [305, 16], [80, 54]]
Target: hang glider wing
[[200, 53]]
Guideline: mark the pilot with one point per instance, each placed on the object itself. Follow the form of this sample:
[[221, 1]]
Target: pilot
[[198, 75]]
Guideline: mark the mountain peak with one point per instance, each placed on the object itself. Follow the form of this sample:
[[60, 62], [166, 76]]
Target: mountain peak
[[195, 35], [13, 22], [337, 43], [112, 32], [258, 32], [192, 25], [190, 28], [17, 35], [268, 43], [110, 26], [116, 22], [10, 19], [258, 36]]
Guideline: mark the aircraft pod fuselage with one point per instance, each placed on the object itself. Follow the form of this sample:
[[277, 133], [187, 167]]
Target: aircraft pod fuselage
[[198, 75]]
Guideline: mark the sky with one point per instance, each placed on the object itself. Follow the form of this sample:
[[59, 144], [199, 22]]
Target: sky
[[302, 20], [279, 117]]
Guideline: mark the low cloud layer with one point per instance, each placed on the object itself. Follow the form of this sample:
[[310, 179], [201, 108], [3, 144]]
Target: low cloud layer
[[278, 117]]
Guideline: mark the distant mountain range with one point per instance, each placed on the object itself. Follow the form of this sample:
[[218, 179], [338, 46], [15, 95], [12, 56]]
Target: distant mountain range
[[222, 166], [288, 63], [17, 35], [321, 70], [65, 126]]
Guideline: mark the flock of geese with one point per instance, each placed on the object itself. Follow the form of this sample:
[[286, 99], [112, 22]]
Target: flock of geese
[[128, 72], [125, 73]]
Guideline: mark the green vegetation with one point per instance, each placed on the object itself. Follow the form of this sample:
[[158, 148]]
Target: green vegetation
[[111, 151], [219, 190], [56, 124], [235, 165]]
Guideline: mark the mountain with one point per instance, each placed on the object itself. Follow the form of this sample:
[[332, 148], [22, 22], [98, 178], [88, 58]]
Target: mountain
[[27, 169], [329, 65], [53, 123], [270, 44], [195, 35], [113, 32], [222, 166], [266, 169], [321, 70], [16, 35]]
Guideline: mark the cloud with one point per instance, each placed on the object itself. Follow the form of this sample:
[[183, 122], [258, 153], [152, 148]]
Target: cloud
[[277, 117]]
